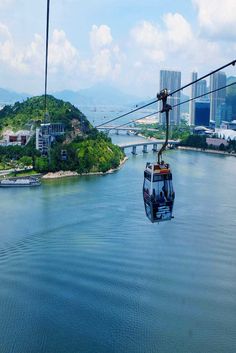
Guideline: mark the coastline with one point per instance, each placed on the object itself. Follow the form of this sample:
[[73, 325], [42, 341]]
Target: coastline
[[69, 173], [185, 148]]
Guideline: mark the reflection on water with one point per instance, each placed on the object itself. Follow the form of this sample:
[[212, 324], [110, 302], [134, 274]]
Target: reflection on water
[[83, 270]]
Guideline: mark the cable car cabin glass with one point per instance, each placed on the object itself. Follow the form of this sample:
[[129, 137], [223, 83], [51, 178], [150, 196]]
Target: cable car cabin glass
[[158, 192]]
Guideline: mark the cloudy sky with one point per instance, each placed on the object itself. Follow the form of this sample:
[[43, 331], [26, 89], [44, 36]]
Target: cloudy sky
[[121, 42]]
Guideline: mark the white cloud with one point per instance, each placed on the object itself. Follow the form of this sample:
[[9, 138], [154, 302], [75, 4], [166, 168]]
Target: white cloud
[[146, 34], [102, 63], [100, 37], [217, 18], [173, 44], [178, 31], [149, 38], [32, 56], [4, 3], [9, 55], [62, 54], [4, 33], [157, 43], [133, 62], [106, 56]]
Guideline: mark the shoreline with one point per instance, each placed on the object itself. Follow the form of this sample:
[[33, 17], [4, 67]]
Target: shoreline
[[69, 173], [196, 149]]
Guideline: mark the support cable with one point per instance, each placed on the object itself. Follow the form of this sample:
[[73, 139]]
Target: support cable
[[46, 60], [165, 109], [169, 94], [176, 105]]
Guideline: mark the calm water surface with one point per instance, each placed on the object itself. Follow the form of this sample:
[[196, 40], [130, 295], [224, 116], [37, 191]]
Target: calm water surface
[[83, 271]]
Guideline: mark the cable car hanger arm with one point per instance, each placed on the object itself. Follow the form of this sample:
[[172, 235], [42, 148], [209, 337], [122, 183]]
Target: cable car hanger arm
[[165, 109]]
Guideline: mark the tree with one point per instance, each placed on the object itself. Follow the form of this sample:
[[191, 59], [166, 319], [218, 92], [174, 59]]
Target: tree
[[26, 161], [41, 164], [222, 147]]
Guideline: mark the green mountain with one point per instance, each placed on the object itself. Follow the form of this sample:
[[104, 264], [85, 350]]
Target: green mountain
[[86, 149], [32, 112]]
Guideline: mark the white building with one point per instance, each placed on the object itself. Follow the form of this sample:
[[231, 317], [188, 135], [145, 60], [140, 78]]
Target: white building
[[20, 138], [225, 134], [46, 134]]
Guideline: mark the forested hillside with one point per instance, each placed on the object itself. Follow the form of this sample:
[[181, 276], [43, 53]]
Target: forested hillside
[[84, 148], [32, 111]]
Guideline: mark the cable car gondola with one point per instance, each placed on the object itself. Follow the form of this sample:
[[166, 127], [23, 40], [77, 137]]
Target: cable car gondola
[[158, 192]]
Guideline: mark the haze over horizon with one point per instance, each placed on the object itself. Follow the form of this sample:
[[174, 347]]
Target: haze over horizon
[[123, 44]]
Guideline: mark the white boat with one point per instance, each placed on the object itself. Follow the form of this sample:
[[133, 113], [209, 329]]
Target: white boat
[[31, 181]]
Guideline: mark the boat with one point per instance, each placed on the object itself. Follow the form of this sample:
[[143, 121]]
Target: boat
[[20, 182]]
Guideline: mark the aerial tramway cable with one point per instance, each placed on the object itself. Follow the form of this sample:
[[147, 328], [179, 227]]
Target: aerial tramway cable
[[46, 60], [169, 94], [176, 105]]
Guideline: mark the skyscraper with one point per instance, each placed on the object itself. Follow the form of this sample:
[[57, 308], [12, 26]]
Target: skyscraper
[[202, 113], [202, 89], [197, 90], [217, 99], [193, 94], [172, 81]]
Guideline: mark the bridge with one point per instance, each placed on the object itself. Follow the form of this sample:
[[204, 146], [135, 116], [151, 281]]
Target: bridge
[[123, 128], [153, 143]]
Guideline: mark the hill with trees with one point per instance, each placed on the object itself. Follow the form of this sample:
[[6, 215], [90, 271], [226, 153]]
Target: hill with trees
[[32, 112], [82, 148]]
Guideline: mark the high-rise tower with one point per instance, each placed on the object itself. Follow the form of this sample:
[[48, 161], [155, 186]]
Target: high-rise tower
[[197, 89], [192, 103], [172, 81], [217, 99]]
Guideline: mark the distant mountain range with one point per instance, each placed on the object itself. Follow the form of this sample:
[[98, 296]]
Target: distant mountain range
[[10, 97], [97, 95]]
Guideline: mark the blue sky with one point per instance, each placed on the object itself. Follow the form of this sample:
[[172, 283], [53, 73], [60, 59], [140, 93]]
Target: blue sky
[[124, 43]]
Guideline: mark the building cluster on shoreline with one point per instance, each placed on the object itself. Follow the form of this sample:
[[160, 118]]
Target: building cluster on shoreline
[[208, 109]]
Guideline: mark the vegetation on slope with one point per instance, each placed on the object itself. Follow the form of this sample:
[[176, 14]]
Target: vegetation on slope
[[31, 111], [86, 149], [95, 153]]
